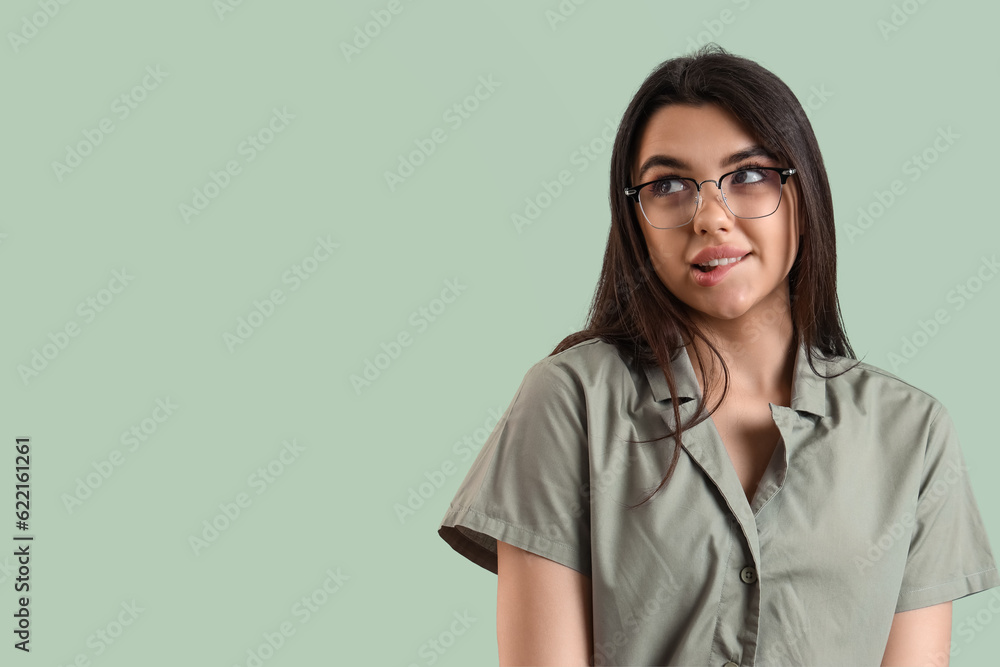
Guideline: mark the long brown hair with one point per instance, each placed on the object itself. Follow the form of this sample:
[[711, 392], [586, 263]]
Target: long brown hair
[[631, 308]]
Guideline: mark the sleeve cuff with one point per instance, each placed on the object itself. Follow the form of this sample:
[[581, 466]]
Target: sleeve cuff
[[950, 590], [474, 535]]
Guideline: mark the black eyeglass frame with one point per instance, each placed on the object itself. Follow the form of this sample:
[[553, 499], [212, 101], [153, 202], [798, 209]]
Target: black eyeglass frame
[[784, 172]]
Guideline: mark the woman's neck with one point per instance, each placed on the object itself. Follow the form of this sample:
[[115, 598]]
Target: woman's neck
[[759, 349]]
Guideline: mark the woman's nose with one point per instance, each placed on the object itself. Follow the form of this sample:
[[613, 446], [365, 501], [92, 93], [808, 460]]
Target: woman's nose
[[712, 211]]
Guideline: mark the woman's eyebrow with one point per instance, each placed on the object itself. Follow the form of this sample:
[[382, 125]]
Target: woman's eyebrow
[[671, 162]]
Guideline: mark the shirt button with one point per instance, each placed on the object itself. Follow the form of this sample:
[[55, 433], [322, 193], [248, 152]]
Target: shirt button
[[730, 664], [748, 575]]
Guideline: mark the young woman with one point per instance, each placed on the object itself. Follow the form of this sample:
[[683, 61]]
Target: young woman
[[706, 474]]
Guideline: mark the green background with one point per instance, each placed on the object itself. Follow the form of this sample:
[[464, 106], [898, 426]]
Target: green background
[[884, 98]]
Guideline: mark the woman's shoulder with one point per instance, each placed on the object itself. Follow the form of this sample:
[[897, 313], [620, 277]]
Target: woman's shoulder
[[587, 358], [859, 379], [590, 367]]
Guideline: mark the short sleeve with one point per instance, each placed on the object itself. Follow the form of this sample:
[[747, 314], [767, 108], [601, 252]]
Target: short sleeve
[[529, 484], [949, 556]]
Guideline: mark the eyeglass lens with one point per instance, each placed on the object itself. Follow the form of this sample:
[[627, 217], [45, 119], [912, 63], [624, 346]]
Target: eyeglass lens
[[749, 193]]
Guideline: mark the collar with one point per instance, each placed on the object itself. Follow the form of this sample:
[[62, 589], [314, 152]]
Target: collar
[[808, 388]]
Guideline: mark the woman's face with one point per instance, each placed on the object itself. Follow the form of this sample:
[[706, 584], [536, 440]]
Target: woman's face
[[703, 138]]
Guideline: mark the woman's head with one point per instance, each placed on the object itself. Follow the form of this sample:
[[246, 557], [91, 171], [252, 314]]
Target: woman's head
[[752, 223], [646, 299], [699, 110]]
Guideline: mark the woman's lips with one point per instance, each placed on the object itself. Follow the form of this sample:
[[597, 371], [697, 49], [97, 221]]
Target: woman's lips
[[715, 275]]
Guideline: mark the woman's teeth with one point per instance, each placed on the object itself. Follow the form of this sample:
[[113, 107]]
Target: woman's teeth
[[720, 262]]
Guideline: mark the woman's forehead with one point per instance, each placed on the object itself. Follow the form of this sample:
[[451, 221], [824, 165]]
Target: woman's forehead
[[690, 137], [686, 127]]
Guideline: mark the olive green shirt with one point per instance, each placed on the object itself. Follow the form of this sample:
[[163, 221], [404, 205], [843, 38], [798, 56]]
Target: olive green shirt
[[865, 510]]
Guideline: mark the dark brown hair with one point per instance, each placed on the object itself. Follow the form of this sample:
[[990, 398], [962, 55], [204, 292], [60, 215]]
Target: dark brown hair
[[631, 308]]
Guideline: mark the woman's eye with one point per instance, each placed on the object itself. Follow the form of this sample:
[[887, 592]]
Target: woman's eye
[[665, 187], [748, 176]]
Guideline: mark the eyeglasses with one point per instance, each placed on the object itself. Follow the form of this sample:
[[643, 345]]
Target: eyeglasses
[[750, 192]]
